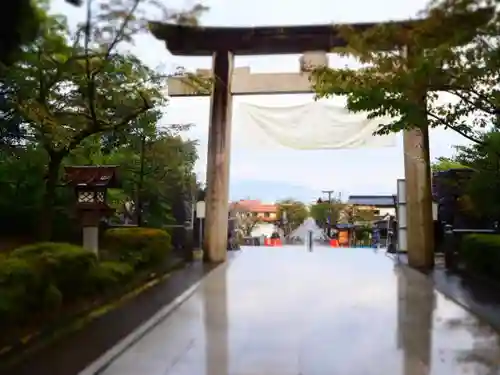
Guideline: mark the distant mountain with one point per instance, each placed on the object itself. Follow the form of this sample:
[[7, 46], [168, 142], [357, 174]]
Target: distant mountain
[[270, 191]]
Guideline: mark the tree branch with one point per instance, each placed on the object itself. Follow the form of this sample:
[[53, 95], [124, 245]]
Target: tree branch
[[462, 133], [91, 130], [121, 30]]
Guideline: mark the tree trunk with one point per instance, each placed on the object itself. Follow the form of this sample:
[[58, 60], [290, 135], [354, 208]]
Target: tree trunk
[[140, 194], [46, 220]]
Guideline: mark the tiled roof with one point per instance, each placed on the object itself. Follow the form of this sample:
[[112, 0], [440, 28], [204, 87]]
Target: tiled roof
[[371, 200], [255, 206], [93, 175], [265, 208]]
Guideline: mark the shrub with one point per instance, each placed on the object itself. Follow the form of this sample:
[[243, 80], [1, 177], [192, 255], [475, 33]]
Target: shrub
[[64, 265], [110, 274], [36, 280], [23, 290], [481, 254], [138, 247], [363, 234], [17, 278]]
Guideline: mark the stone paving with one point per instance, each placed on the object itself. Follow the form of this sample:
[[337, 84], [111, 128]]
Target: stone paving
[[287, 311]]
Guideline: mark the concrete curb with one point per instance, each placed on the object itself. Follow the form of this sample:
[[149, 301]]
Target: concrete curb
[[473, 307], [100, 364]]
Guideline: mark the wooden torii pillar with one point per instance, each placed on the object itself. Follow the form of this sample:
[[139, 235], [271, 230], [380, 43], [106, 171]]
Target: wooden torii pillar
[[222, 43]]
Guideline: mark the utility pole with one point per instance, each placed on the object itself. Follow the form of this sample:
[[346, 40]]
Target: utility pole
[[329, 192], [329, 226]]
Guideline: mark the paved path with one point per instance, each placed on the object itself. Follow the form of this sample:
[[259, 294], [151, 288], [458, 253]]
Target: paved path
[[74, 352], [286, 311]]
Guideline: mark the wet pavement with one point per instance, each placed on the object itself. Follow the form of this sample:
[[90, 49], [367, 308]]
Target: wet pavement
[[72, 353], [482, 296], [287, 311]]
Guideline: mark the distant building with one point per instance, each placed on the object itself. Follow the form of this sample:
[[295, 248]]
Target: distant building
[[265, 213], [380, 205]]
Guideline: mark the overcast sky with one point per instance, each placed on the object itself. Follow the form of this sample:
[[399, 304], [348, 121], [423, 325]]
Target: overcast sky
[[362, 171]]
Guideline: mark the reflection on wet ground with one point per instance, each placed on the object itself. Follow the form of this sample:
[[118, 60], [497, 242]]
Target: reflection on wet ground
[[480, 296], [287, 311]]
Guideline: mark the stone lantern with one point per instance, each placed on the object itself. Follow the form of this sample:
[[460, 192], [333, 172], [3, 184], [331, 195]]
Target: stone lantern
[[90, 184]]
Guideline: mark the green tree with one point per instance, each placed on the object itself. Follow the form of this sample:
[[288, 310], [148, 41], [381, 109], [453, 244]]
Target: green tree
[[161, 176], [76, 91], [482, 189], [443, 164], [23, 20], [20, 25], [156, 170], [21, 189], [292, 214], [350, 214], [453, 50], [324, 212]]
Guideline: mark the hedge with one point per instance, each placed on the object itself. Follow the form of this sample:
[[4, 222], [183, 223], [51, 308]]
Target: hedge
[[110, 274], [43, 278], [138, 247], [40, 279], [480, 254], [65, 266], [23, 289]]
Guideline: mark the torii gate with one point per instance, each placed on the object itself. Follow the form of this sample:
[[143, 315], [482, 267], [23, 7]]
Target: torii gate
[[222, 43]]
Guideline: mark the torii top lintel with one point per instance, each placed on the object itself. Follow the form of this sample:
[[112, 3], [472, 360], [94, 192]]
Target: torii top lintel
[[273, 40]]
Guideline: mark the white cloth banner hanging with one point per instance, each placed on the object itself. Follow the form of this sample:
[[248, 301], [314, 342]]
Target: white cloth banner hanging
[[310, 126]]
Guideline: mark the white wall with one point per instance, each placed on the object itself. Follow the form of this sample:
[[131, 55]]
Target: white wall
[[387, 211], [263, 229]]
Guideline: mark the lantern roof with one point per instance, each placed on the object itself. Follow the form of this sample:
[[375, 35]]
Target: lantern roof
[[185, 40], [92, 176]]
